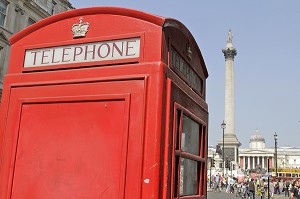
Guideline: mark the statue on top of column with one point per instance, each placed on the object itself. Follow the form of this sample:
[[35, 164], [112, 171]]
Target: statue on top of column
[[229, 39]]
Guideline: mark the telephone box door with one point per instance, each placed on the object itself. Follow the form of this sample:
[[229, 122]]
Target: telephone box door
[[75, 140]]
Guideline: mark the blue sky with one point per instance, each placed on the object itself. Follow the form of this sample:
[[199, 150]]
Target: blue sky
[[266, 35]]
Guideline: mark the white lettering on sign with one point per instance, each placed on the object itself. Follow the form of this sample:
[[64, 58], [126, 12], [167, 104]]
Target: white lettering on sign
[[88, 52]]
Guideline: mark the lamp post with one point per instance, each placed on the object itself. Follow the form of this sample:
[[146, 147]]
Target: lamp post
[[231, 167], [211, 165], [268, 169], [223, 126], [211, 162], [275, 138]]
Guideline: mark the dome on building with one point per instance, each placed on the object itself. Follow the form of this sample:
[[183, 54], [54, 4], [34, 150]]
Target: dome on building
[[257, 141], [257, 137]]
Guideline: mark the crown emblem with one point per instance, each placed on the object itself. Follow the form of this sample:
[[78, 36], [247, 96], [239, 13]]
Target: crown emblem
[[80, 29]]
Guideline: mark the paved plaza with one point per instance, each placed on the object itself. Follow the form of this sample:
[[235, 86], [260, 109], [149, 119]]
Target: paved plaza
[[223, 195]]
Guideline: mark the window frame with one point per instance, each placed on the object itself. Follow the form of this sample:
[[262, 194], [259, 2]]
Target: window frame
[[4, 14], [178, 154]]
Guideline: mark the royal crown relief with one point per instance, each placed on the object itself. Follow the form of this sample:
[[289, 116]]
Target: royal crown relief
[[80, 29], [119, 49]]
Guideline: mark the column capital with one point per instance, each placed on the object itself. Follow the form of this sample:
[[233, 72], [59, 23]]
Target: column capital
[[229, 53]]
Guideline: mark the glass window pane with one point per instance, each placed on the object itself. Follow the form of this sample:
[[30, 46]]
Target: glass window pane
[[190, 136], [176, 174], [3, 7], [2, 18], [177, 126], [188, 177]]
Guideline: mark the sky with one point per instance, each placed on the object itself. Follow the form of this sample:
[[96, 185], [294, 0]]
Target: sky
[[266, 35]]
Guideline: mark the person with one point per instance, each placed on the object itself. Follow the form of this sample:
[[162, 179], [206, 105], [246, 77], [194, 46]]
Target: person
[[276, 187], [228, 184], [286, 188], [294, 190], [216, 183], [238, 189], [258, 190], [262, 189], [251, 189], [245, 190], [231, 183], [224, 182], [266, 188], [271, 187], [281, 187]]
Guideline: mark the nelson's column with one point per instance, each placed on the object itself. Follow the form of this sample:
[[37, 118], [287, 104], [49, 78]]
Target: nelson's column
[[231, 143]]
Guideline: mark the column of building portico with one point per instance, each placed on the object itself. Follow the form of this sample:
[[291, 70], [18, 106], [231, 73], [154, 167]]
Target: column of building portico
[[244, 161], [263, 162], [249, 166]]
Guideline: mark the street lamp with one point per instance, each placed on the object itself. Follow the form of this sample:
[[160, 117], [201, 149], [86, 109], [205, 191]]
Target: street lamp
[[223, 126], [268, 169], [211, 165], [275, 138]]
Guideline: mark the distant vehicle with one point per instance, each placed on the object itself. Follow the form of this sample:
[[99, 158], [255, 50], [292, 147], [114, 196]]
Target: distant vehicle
[[286, 174]]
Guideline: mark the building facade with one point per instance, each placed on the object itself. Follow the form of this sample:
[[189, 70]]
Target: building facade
[[15, 15], [257, 155], [254, 159]]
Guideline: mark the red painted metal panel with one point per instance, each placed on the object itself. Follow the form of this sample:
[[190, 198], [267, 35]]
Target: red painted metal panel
[[107, 115], [71, 150]]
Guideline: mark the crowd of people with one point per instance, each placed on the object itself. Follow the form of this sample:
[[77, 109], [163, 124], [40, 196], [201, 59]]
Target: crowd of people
[[258, 187]]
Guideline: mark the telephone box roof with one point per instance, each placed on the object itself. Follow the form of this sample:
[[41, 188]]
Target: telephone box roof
[[154, 19]]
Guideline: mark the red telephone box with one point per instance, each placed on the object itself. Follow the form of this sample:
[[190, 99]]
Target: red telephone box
[[104, 103]]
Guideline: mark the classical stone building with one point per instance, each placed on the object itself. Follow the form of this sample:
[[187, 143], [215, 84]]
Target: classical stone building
[[16, 15], [254, 158]]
